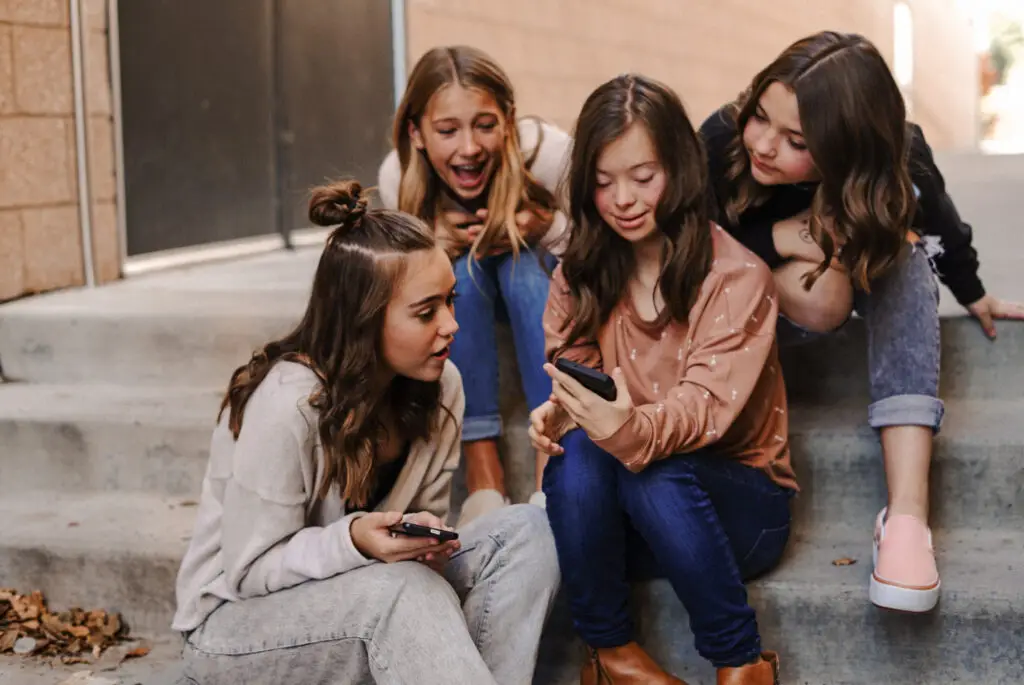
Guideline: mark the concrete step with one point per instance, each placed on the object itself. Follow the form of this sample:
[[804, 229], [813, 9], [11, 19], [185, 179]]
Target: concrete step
[[124, 550], [118, 550], [75, 438], [972, 366], [78, 438], [195, 326], [820, 620]]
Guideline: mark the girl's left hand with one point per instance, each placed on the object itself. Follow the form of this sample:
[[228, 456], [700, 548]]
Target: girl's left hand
[[989, 308], [534, 222], [598, 417]]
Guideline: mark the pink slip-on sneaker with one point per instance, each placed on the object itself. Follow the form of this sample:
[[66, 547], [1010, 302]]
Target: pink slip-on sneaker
[[905, 577]]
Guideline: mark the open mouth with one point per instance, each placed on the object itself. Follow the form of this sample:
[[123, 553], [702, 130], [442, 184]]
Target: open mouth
[[443, 353], [469, 176]]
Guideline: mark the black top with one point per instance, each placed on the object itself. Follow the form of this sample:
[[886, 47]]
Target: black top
[[385, 479], [955, 260]]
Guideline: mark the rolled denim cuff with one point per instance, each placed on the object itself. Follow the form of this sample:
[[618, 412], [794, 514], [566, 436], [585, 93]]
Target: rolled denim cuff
[[481, 427], [907, 410]]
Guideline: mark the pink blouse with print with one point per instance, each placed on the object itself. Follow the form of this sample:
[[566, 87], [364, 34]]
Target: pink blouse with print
[[713, 381]]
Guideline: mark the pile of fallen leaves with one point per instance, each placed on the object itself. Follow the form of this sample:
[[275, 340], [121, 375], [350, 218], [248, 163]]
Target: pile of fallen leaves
[[27, 626]]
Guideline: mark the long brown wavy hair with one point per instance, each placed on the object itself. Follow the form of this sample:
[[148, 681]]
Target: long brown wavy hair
[[854, 124], [510, 189], [598, 262], [340, 339]]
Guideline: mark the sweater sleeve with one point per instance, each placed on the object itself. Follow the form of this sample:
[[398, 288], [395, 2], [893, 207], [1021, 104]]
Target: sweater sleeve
[[389, 179], [435, 496], [945, 236], [557, 323], [266, 544], [732, 339], [550, 148]]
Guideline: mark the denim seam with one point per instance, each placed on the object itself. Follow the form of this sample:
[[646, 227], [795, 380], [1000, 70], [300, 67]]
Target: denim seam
[[760, 537], [333, 637], [500, 563]]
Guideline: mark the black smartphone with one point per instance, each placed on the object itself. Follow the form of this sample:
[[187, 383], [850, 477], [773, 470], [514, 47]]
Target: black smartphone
[[596, 381], [417, 531]]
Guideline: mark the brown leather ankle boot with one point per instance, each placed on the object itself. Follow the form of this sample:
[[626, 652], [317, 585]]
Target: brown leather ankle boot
[[764, 671], [625, 665]]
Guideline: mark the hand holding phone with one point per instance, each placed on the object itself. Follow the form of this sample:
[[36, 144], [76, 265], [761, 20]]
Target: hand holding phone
[[419, 531], [573, 383], [595, 381], [373, 535]]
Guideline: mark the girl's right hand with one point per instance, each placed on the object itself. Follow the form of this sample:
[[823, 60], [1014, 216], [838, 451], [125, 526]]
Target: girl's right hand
[[548, 424], [456, 231], [371, 535]]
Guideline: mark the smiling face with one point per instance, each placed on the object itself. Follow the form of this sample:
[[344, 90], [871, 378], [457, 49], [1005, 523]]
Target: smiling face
[[773, 138], [419, 324], [630, 183], [462, 132]]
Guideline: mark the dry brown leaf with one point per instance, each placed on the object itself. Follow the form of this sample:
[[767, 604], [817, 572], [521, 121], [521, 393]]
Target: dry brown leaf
[[138, 652], [7, 640], [112, 625], [188, 503], [845, 561], [26, 622]]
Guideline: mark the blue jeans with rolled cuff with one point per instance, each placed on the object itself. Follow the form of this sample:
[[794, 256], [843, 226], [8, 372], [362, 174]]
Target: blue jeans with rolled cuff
[[491, 289]]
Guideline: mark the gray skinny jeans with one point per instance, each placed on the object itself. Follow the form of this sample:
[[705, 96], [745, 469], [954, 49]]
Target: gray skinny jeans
[[399, 624], [902, 319]]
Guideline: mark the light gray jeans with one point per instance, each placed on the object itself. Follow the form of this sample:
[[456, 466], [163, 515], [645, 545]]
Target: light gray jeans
[[400, 624]]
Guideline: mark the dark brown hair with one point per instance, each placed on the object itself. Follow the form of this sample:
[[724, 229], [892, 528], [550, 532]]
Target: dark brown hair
[[512, 185], [854, 124], [340, 339], [598, 262]]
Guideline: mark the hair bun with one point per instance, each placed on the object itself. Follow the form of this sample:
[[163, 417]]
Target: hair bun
[[341, 202]]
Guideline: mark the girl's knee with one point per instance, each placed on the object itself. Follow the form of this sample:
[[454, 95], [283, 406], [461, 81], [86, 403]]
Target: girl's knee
[[823, 308]]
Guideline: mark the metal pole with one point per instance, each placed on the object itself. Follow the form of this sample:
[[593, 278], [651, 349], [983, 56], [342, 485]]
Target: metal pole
[[399, 53], [81, 132], [114, 36]]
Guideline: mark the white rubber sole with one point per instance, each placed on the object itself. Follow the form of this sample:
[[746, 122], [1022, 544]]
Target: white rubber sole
[[912, 600]]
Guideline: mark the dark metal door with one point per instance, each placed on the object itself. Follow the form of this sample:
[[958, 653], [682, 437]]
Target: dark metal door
[[233, 108], [336, 93]]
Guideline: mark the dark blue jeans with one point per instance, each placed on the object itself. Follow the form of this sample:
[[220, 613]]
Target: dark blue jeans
[[499, 287], [705, 521]]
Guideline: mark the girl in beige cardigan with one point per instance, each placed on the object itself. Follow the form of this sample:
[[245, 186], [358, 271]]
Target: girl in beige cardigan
[[327, 439]]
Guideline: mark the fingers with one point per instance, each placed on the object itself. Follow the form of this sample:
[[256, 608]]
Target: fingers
[[1009, 310], [425, 518], [985, 318], [543, 443], [569, 385]]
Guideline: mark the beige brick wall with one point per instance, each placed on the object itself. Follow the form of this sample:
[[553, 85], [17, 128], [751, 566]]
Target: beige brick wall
[[557, 51], [40, 237]]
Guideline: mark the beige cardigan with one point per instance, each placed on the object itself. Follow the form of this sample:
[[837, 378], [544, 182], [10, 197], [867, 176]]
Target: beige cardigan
[[550, 147], [259, 527]]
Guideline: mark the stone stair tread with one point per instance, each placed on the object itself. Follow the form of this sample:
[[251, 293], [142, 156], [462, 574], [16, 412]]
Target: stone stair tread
[[157, 526], [169, 405], [983, 421], [974, 564], [122, 523]]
